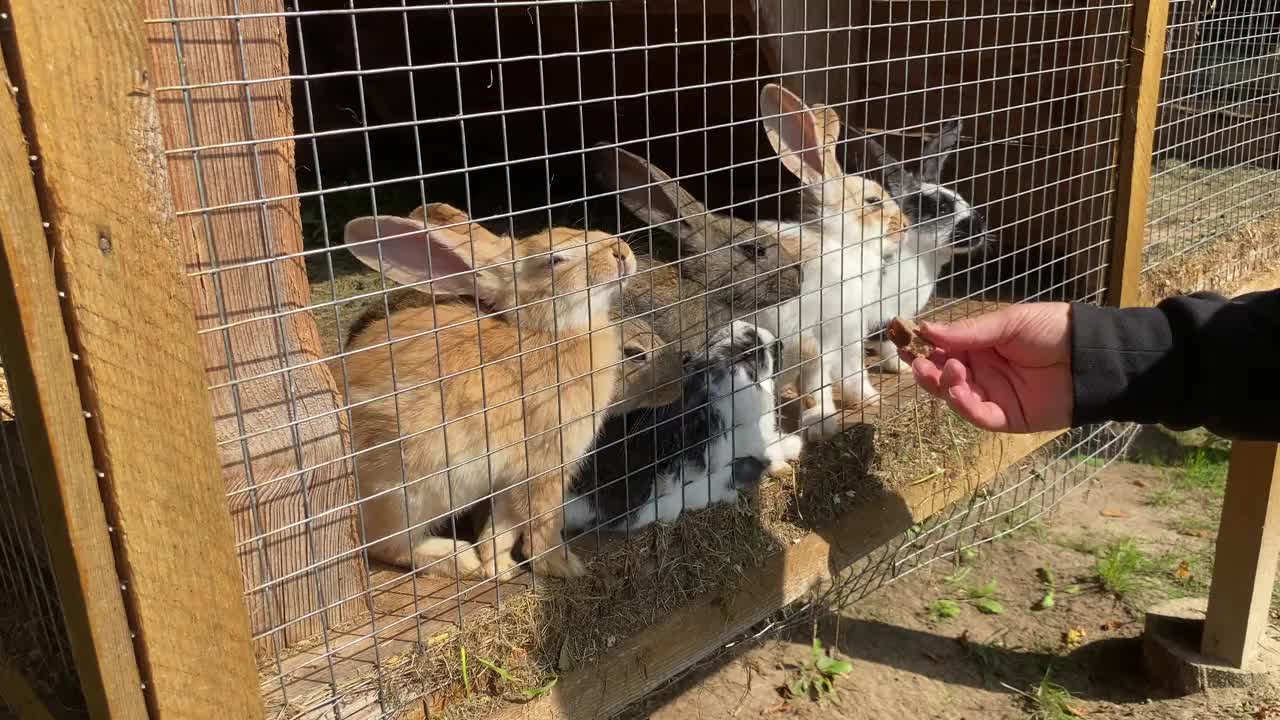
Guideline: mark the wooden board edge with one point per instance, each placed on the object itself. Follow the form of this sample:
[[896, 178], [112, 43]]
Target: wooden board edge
[[1139, 109], [643, 662], [140, 372], [43, 385]]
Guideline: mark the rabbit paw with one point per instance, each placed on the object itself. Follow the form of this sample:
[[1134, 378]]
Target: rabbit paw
[[491, 567], [791, 447], [893, 364], [858, 392], [560, 562]]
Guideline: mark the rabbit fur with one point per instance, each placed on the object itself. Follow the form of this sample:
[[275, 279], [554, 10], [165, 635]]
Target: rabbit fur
[[850, 224], [652, 465], [943, 225], [475, 403]]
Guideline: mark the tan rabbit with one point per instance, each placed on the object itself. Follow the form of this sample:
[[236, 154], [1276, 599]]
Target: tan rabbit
[[856, 224], [461, 405], [651, 367]]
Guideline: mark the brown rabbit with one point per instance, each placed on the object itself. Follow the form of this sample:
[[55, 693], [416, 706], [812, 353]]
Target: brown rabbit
[[461, 406]]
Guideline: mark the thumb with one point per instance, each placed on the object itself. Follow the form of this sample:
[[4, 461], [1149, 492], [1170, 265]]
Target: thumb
[[974, 333]]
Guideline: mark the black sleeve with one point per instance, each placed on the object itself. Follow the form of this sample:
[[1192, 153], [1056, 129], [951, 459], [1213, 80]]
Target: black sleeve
[[1193, 360]]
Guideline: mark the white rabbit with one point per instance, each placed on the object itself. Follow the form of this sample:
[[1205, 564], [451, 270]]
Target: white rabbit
[[942, 225], [851, 222]]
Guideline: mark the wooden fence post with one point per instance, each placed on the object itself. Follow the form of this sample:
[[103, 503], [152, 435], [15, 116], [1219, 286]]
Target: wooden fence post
[[42, 383], [93, 129], [261, 346], [1244, 569], [1137, 139]]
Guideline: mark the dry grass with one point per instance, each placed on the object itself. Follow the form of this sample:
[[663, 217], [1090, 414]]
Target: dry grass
[[1219, 266], [636, 581], [1209, 228]]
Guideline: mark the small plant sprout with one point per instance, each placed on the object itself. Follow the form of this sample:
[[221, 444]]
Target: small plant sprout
[[517, 684], [1048, 701], [817, 677], [1049, 585], [943, 609], [1119, 566]]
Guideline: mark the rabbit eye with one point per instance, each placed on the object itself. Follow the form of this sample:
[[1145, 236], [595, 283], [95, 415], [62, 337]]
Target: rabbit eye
[[634, 354], [558, 259], [754, 250], [874, 200]]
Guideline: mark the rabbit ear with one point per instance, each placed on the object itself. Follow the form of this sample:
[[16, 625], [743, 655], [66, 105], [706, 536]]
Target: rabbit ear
[[897, 179], [648, 192], [938, 150], [799, 137], [412, 253]]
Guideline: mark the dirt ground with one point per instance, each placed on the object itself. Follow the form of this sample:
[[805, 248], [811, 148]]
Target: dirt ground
[[977, 639]]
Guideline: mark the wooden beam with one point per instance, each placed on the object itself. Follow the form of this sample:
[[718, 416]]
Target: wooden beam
[[93, 125], [641, 663], [282, 430], [1147, 29], [1244, 570], [42, 383]]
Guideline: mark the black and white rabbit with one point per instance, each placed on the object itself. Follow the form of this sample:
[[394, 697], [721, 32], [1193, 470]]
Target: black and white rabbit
[[942, 225], [652, 465]]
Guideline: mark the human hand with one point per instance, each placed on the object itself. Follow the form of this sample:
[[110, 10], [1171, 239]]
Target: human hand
[[1007, 371]]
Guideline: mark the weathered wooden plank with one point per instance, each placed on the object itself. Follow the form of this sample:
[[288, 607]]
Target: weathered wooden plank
[[94, 127], [42, 384]]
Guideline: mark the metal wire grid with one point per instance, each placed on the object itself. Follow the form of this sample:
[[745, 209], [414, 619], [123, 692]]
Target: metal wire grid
[[1216, 134], [1020, 497], [1034, 150], [33, 635]]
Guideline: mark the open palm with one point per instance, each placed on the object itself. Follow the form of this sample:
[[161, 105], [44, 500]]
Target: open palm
[[1007, 371]]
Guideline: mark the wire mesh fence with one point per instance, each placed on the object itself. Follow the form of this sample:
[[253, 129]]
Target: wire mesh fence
[[33, 635], [1211, 194], [527, 322], [492, 287]]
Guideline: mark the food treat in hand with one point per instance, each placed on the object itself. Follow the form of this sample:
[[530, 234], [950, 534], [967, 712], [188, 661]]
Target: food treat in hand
[[902, 332]]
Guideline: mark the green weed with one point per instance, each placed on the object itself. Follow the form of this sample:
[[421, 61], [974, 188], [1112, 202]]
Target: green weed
[[816, 679]]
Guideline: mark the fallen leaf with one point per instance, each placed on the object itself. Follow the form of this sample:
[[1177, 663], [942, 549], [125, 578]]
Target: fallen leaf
[[1205, 534], [1074, 711], [1140, 483], [1183, 571], [1115, 514], [1073, 637], [781, 707], [1112, 625]]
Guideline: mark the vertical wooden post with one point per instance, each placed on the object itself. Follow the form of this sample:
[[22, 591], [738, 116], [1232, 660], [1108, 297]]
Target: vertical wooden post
[[93, 129], [1137, 139], [276, 408], [1244, 569], [42, 383]]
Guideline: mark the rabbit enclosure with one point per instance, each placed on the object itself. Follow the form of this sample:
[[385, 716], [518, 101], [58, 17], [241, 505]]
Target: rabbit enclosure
[[349, 341]]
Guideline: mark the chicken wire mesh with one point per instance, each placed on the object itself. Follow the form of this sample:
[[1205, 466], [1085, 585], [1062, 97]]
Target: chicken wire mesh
[[33, 635], [1210, 221], [407, 226]]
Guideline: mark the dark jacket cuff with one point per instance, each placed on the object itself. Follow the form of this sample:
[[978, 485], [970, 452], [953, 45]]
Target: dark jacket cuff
[[1122, 367]]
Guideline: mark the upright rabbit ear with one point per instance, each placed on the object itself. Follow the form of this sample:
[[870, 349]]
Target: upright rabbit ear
[[938, 150], [412, 253], [799, 137], [648, 192], [899, 181]]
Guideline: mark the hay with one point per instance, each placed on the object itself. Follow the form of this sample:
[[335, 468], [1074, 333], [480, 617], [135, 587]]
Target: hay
[[1219, 266], [634, 582]]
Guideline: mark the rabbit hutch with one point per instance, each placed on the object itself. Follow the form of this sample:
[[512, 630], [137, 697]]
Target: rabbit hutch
[[382, 359]]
